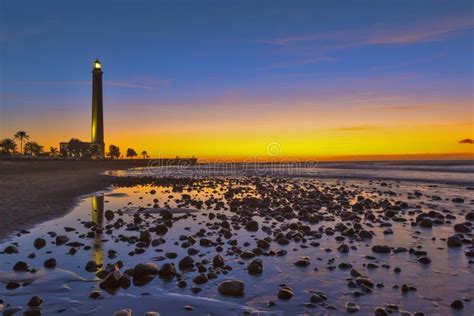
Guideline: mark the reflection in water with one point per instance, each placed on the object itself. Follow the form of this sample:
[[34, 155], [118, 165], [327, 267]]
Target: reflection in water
[[97, 214]]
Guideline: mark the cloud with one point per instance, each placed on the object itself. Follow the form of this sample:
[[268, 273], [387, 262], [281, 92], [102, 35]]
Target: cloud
[[466, 141], [427, 32], [379, 35], [306, 49]]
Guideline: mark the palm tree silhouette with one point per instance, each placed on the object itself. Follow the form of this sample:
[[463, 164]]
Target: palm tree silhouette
[[53, 151], [21, 135], [8, 146]]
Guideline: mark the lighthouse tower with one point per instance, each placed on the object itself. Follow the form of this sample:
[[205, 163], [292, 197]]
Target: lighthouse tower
[[97, 132]]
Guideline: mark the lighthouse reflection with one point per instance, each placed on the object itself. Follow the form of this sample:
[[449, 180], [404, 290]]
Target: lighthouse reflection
[[97, 215]]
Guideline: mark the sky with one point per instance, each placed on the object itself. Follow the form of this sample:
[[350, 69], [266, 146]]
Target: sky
[[244, 79]]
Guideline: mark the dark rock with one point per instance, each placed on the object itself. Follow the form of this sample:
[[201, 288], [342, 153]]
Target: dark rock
[[10, 250], [262, 243], [145, 236], [39, 243], [186, 263], [218, 261], [255, 267], [470, 216], [318, 298], [251, 226], [91, 266], [50, 263], [380, 311], [200, 279], [381, 249], [21, 266], [161, 229], [12, 285], [232, 288], [425, 222], [166, 215], [285, 293], [111, 281], [343, 248], [302, 262], [457, 304], [61, 240], [454, 241], [424, 260], [35, 301], [167, 270], [352, 307], [145, 270], [462, 228]]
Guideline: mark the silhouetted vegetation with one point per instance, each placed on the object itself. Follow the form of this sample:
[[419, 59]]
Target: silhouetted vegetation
[[21, 136], [8, 146], [144, 154], [114, 152], [131, 153], [53, 151], [78, 149], [33, 149]]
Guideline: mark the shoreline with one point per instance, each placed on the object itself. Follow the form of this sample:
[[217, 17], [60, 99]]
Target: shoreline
[[37, 191], [33, 192]]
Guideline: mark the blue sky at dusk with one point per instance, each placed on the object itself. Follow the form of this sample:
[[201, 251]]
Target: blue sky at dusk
[[262, 66]]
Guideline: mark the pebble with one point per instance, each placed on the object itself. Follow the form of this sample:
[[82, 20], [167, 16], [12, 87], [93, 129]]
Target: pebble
[[39, 243], [35, 301], [255, 267], [381, 249], [285, 293], [123, 312], [232, 288], [352, 307], [21, 266], [457, 304], [50, 263]]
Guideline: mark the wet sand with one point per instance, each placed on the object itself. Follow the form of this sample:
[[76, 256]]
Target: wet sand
[[35, 191], [291, 246]]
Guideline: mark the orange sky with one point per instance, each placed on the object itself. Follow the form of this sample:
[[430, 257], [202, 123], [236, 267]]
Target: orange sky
[[308, 130]]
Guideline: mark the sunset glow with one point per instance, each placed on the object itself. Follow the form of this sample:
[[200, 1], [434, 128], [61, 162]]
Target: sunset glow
[[174, 87]]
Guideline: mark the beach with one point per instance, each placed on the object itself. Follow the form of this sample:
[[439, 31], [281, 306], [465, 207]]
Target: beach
[[35, 191], [187, 241]]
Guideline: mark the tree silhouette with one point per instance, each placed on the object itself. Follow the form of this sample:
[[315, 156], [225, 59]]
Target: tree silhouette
[[144, 154], [21, 136], [33, 149], [114, 152], [8, 146], [131, 153], [53, 151]]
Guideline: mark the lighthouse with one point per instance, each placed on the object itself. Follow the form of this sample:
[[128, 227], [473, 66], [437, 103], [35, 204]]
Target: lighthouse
[[97, 128]]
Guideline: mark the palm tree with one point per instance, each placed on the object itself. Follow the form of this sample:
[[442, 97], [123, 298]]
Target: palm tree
[[21, 136], [53, 151], [131, 153], [33, 148], [8, 146], [144, 154], [114, 152]]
